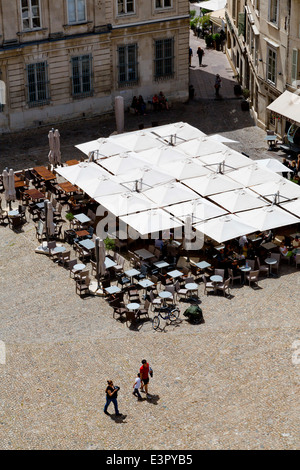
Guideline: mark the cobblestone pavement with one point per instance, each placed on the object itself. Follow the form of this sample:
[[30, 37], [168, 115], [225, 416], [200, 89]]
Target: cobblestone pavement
[[230, 383]]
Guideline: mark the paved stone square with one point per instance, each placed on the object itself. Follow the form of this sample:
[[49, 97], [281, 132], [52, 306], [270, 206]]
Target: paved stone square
[[230, 383]]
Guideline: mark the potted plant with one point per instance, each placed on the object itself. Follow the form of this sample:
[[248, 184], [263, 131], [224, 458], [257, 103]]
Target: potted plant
[[216, 41], [208, 40], [69, 216], [110, 244]]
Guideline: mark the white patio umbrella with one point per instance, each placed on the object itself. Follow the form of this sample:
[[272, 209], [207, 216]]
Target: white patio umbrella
[[125, 203], [200, 147], [137, 141], [56, 148], [101, 186], [177, 132], [252, 175], [292, 206], [170, 193], [151, 221], [83, 171], [50, 227], [221, 138], [103, 147], [100, 258], [239, 200], [188, 168], [229, 158], [5, 184], [11, 194], [161, 156], [267, 218], [212, 183], [122, 163], [224, 228], [273, 165], [51, 146], [144, 178], [199, 209], [281, 188]]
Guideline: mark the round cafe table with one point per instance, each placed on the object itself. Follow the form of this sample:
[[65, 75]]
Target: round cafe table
[[133, 306], [192, 287], [270, 262], [165, 295], [79, 267], [215, 279]]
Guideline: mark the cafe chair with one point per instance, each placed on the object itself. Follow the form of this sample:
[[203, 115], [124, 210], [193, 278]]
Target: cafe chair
[[224, 286], [208, 285], [144, 310], [119, 309], [253, 277], [263, 268], [232, 277], [155, 302], [83, 287]]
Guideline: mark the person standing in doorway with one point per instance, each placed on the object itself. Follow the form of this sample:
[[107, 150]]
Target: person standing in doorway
[[190, 56], [200, 53]]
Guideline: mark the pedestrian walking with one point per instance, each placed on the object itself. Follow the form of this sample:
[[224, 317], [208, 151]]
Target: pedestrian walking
[[136, 387], [200, 53], [190, 56], [217, 84], [111, 396], [145, 371]]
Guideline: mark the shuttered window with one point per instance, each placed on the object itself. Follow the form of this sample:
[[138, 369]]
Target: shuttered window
[[37, 84]]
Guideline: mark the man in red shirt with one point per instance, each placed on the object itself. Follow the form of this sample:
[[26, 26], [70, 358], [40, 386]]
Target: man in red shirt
[[145, 369]]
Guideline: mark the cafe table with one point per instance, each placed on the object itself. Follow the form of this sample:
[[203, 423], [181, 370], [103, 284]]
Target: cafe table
[[215, 278], [175, 273], [109, 263], [203, 264], [145, 283], [144, 254], [161, 264], [34, 194], [112, 289], [132, 272], [44, 173], [270, 262], [191, 287], [68, 187], [82, 218], [87, 243], [72, 162], [164, 294], [79, 267], [244, 269]]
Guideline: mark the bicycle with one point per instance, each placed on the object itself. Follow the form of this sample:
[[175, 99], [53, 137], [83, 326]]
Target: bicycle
[[172, 314]]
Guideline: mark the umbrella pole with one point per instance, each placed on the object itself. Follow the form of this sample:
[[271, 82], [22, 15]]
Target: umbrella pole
[[46, 214]]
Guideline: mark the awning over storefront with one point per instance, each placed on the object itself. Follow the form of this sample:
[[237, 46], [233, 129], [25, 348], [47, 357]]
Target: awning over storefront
[[288, 106]]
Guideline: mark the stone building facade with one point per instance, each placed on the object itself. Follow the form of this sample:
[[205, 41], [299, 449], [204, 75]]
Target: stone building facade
[[67, 59], [263, 43]]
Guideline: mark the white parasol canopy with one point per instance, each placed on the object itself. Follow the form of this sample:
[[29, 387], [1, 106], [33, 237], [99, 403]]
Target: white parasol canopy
[[282, 188], [239, 200], [56, 147], [83, 171], [11, 193], [252, 175], [161, 156], [102, 147], [188, 168], [103, 185], [177, 133], [200, 147], [51, 147], [199, 209], [221, 138], [268, 217], [232, 160], [125, 203], [151, 221], [224, 228], [122, 163], [137, 141], [49, 221], [144, 178], [292, 206], [288, 106], [212, 183], [273, 165], [170, 193]]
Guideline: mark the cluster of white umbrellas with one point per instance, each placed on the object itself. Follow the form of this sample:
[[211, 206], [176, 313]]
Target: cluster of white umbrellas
[[153, 179]]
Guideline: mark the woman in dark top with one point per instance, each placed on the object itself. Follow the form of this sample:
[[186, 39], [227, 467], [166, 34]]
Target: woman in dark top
[[111, 396]]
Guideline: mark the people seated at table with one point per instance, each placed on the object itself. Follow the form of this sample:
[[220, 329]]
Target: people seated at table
[[141, 105], [134, 104], [267, 236], [296, 242], [163, 102], [284, 250], [155, 102]]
